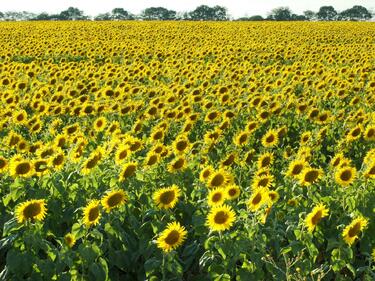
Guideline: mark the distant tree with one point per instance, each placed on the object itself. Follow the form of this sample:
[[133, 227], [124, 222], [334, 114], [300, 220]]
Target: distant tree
[[42, 16], [327, 13], [280, 14], [72, 14], [251, 18], [105, 16], [1, 15], [355, 13], [203, 12], [158, 13], [220, 13], [18, 16], [121, 14], [295, 17], [310, 15]]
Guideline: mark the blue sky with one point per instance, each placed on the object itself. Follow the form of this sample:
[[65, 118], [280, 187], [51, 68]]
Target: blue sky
[[236, 8]]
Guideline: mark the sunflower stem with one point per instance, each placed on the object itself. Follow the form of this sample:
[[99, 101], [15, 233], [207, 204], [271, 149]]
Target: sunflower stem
[[163, 268]]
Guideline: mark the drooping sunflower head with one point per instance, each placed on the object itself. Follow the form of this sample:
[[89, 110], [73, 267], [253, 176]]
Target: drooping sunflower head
[[114, 199], [351, 231], [177, 164], [369, 134], [31, 210], [258, 199], [91, 213], [221, 218], [369, 172], [241, 138], [3, 164], [166, 198], [127, 171], [172, 237], [314, 217]]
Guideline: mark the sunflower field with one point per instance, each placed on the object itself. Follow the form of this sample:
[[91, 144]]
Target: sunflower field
[[187, 151]]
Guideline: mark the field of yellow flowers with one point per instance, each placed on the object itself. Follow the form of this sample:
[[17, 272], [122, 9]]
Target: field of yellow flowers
[[187, 151]]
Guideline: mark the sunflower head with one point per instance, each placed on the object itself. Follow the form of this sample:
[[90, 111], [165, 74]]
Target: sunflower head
[[31, 210], [216, 197], [91, 213], [172, 237], [345, 175], [221, 218], [314, 217], [127, 171], [166, 198], [114, 199], [69, 240], [351, 231], [310, 175]]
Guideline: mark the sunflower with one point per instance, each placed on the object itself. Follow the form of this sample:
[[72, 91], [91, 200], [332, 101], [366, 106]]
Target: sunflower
[[265, 160], [345, 175], [123, 151], [232, 191], [354, 134], [166, 198], [177, 164], [3, 164], [114, 199], [19, 167], [205, 173], [369, 134], [127, 171], [305, 137], [295, 168], [273, 196], [220, 218], [262, 181], [241, 138], [258, 199], [370, 170], [181, 145], [216, 197], [228, 160], [91, 213], [219, 178], [172, 237], [58, 160], [310, 175], [90, 164], [351, 231], [70, 240], [151, 159], [337, 159], [41, 167], [248, 157], [314, 217], [31, 210], [270, 138]]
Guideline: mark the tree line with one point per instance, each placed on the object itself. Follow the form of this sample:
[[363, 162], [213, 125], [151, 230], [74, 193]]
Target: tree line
[[202, 12]]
